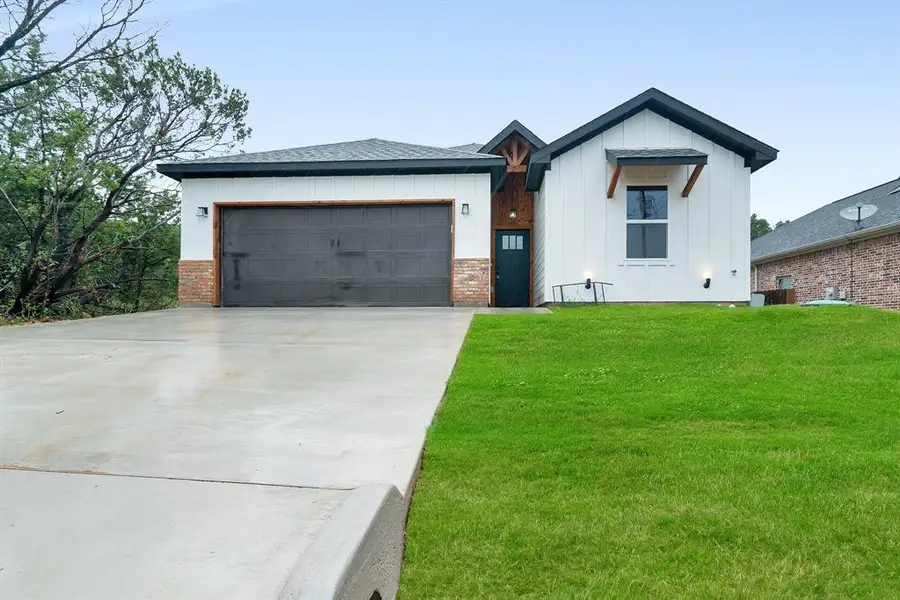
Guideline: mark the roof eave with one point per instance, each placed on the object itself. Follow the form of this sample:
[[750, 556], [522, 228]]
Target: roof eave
[[861, 234], [513, 128], [534, 175], [657, 161], [178, 171], [756, 153]]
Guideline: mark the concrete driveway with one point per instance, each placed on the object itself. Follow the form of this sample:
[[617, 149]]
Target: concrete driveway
[[127, 443]]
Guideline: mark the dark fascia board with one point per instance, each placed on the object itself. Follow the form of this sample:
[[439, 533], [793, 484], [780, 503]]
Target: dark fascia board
[[514, 128], [756, 154], [656, 161], [495, 166]]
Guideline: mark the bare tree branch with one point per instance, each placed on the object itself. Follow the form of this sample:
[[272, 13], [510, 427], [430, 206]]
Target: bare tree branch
[[96, 42]]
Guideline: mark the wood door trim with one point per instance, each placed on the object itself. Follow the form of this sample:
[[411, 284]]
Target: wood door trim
[[217, 256], [217, 227]]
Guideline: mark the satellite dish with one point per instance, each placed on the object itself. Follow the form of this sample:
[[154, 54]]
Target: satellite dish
[[858, 212]]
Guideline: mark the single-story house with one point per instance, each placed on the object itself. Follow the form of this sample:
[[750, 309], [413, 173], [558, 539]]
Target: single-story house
[[823, 254], [652, 196]]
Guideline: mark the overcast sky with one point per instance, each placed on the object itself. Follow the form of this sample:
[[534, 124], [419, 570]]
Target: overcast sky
[[819, 80]]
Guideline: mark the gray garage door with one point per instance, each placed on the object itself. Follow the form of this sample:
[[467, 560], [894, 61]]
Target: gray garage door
[[386, 255]]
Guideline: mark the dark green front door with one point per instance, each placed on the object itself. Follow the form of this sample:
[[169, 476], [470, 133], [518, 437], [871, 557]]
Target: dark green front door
[[512, 252]]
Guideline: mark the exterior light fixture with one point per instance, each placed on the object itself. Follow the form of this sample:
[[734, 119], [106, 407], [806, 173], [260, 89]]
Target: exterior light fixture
[[202, 211], [707, 282], [465, 209], [513, 214], [587, 283]]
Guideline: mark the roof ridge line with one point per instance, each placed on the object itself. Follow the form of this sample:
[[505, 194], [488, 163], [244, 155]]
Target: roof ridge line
[[868, 189]]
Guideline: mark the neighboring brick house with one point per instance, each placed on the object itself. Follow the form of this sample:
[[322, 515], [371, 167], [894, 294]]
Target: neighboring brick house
[[822, 250]]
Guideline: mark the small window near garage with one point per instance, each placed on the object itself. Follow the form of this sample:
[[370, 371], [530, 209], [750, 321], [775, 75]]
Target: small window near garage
[[647, 222], [785, 282]]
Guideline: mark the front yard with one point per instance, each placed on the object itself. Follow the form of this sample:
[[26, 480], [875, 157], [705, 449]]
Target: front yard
[[671, 452]]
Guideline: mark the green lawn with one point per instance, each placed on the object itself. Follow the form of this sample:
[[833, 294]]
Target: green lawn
[[667, 452]]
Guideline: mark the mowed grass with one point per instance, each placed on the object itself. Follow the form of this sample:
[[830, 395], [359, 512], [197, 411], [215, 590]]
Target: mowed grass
[[665, 452]]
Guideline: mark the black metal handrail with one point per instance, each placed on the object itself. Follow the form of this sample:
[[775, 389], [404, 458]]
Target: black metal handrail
[[588, 285]]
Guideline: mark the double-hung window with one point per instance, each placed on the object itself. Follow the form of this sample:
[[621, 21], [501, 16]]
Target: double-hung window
[[647, 225]]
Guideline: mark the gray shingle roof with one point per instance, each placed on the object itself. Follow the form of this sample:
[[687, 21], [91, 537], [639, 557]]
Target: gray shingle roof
[[825, 224], [358, 150], [474, 147], [656, 156], [655, 153]]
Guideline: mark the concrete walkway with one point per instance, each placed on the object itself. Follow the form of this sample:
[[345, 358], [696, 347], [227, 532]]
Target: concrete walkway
[[197, 453]]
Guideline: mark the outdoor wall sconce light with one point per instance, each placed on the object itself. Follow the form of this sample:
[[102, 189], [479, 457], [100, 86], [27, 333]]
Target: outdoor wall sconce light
[[465, 209], [512, 214], [587, 283], [202, 211], [734, 272], [707, 282]]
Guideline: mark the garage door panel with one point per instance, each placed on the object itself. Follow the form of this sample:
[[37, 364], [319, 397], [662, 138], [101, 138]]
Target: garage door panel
[[350, 215], [408, 267], [380, 293], [435, 240], [379, 214], [406, 240], [378, 267], [378, 241], [436, 267], [314, 216], [352, 267], [435, 293], [406, 214], [351, 241], [309, 293], [409, 294], [327, 255], [434, 213]]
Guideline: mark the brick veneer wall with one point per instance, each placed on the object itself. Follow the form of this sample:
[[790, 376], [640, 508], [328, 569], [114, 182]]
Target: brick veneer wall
[[195, 282], [471, 281], [875, 267]]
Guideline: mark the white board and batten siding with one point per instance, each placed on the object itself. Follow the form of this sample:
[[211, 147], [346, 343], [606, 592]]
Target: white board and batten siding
[[583, 232], [538, 279], [473, 231]]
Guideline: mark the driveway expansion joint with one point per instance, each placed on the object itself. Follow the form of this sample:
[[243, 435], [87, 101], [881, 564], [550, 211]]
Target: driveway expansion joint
[[163, 478]]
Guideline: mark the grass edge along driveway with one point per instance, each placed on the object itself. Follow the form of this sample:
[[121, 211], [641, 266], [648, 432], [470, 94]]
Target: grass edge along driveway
[[679, 452]]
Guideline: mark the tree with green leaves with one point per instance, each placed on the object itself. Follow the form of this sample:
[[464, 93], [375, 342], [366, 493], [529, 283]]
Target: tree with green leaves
[[85, 223], [758, 227]]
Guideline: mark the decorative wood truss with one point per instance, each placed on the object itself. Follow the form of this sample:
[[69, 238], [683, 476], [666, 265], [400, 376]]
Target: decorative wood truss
[[516, 150], [695, 174]]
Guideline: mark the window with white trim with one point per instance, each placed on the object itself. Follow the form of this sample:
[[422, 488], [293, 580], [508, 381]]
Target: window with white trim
[[785, 282], [647, 222]]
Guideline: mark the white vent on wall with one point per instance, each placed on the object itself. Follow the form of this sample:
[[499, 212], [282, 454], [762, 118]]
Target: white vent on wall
[[831, 292]]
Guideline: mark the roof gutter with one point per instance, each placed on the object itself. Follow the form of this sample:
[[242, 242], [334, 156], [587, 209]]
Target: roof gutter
[[862, 234]]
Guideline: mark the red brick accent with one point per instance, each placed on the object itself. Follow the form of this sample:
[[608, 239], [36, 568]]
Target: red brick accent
[[195, 282], [471, 281], [874, 264]]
